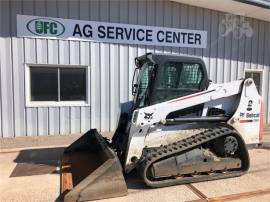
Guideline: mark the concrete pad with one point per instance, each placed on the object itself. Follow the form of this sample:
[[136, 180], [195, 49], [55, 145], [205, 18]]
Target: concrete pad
[[257, 178], [30, 142], [264, 198], [138, 191], [7, 164], [29, 188], [172, 194], [23, 143], [45, 187]]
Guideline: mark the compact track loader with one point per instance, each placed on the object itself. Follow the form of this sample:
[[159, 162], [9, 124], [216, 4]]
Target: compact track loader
[[180, 128]]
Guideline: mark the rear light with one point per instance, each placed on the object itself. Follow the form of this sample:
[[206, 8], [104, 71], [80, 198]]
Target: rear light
[[261, 134]]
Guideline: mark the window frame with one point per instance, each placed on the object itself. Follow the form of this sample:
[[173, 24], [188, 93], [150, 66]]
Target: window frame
[[30, 103], [261, 72]]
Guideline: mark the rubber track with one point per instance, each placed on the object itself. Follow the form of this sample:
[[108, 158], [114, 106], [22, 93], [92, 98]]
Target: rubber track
[[151, 155]]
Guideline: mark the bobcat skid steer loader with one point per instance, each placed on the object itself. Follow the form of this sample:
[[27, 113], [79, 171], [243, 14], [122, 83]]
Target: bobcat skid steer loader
[[180, 128]]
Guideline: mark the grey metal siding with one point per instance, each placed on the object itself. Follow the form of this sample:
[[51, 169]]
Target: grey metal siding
[[111, 65]]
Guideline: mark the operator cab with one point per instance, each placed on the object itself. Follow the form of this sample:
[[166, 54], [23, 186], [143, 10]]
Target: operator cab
[[159, 78]]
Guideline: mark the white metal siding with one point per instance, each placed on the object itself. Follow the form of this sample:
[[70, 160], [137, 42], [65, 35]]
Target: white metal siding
[[111, 65]]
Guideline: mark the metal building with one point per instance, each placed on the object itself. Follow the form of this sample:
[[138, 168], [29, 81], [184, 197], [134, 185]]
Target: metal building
[[237, 46]]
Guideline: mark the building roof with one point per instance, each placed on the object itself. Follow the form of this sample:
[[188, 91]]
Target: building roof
[[259, 9]]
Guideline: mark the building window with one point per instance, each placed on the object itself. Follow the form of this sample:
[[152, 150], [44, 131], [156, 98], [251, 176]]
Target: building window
[[44, 84], [56, 85], [257, 76], [72, 84]]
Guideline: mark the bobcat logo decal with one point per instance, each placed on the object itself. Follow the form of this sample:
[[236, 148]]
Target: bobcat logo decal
[[148, 115]]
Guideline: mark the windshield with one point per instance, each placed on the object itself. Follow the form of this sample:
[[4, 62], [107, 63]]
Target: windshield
[[177, 79], [143, 84]]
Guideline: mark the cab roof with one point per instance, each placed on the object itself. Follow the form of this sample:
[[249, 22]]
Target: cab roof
[[160, 58]]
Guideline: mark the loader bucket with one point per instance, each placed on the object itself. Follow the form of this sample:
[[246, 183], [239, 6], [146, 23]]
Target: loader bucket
[[90, 170]]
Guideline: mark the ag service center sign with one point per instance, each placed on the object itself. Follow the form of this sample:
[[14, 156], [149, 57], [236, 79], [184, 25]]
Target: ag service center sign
[[56, 28]]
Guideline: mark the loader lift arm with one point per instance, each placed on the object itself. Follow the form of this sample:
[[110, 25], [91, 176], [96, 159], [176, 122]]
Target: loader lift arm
[[140, 125]]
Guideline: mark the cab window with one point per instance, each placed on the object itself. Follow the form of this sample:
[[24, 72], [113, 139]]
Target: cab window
[[177, 79], [142, 95]]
